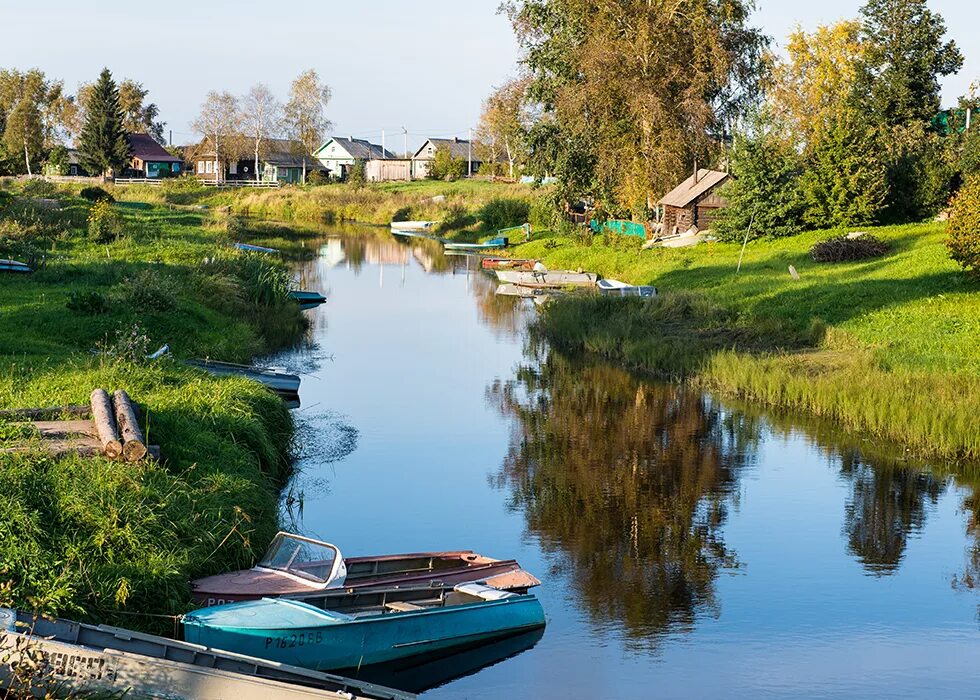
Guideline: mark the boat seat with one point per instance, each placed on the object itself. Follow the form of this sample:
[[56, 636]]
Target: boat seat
[[402, 607]]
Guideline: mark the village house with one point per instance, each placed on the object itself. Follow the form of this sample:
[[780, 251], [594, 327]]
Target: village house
[[338, 155], [460, 149], [694, 203], [149, 159], [280, 160]]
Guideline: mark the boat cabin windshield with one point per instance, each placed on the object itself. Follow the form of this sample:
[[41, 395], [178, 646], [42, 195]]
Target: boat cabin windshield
[[314, 561]]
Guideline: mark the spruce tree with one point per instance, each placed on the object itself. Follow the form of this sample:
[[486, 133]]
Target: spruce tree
[[102, 143]]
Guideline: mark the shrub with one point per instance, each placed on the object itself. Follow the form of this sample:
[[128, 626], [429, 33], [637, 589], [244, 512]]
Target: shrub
[[224, 222], [357, 175], [503, 213], [91, 303], [151, 290], [445, 167], [95, 194], [104, 223], [316, 178], [842, 248], [36, 187], [6, 199], [963, 229], [131, 344]]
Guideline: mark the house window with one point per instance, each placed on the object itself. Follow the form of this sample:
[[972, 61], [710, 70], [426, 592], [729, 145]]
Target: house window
[[200, 166], [233, 168], [209, 167]]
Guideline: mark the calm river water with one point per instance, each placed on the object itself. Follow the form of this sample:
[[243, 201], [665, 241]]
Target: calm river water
[[689, 547]]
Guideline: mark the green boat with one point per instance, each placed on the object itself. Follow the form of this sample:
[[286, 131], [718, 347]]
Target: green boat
[[304, 297], [293, 632]]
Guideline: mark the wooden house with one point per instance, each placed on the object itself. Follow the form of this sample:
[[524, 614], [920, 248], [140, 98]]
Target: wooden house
[[694, 203], [338, 155], [280, 160], [460, 149], [149, 159]]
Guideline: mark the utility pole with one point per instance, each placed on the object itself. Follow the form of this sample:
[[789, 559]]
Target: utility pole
[[469, 154], [383, 152], [405, 133]]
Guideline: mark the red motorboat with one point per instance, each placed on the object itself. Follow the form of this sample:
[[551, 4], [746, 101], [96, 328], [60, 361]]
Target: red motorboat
[[508, 264], [316, 572]]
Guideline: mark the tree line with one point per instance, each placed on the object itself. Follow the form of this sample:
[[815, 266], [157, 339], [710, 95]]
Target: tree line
[[618, 100]]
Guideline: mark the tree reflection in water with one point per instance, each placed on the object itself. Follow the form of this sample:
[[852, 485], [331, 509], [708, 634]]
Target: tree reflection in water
[[627, 484]]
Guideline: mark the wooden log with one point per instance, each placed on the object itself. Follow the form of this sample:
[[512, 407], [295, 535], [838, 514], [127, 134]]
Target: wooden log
[[134, 447], [105, 424]]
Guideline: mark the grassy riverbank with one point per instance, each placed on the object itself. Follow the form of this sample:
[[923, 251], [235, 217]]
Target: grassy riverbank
[[886, 347], [110, 541]]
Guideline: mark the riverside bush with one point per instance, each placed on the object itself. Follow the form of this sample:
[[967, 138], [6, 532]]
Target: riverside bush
[[95, 194], [963, 229], [104, 223], [503, 213]]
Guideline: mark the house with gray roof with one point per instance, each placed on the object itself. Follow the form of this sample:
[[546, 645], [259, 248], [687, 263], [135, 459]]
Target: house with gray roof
[[694, 203], [460, 149], [338, 155]]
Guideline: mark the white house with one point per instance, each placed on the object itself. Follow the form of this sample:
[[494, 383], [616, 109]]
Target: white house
[[460, 149], [338, 155]]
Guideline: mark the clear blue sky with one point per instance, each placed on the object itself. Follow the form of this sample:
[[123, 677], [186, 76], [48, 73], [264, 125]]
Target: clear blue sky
[[424, 65]]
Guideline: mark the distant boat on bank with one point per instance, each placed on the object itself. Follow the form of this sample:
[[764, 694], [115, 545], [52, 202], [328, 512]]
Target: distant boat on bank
[[500, 242], [97, 660], [412, 225], [548, 278], [248, 247], [14, 266], [465, 615], [617, 288], [307, 299]]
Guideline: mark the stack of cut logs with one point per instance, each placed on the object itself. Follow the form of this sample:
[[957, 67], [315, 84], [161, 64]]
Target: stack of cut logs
[[115, 423]]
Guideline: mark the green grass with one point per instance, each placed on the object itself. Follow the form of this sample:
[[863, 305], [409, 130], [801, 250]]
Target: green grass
[[887, 346], [110, 541]]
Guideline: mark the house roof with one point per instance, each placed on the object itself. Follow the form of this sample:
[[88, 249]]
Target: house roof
[[143, 146], [689, 190], [459, 148], [359, 149], [288, 154]]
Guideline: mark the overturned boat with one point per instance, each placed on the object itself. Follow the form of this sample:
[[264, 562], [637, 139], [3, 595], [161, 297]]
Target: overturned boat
[[307, 569], [293, 632], [548, 278], [45, 657]]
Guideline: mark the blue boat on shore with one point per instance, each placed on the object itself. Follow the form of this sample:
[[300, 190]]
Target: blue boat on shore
[[293, 632], [493, 243]]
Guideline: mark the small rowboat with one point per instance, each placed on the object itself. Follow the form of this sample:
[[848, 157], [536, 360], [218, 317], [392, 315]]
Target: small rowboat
[[545, 279], [276, 379], [621, 289], [293, 632], [304, 568], [109, 660], [306, 298], [501, 242], [249, 248], [412, 225], [508, 264], [14, 266]]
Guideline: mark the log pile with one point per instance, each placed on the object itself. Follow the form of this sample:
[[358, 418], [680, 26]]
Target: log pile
[[112, 432]]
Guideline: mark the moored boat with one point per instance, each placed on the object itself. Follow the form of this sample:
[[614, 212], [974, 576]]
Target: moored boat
[[493, 243], [300, 567], [86, 659], [412, 225], [276, 379], [14, 266], [508, 264], [307, 297], [617, 288], [293, 632], [249, 248], [548, 278]]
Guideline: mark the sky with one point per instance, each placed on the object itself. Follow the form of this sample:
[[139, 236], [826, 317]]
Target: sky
[[423, 66]]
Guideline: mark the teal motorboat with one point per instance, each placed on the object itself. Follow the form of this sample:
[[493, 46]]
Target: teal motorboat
[[294, 632], [307, 299], [14, 266]]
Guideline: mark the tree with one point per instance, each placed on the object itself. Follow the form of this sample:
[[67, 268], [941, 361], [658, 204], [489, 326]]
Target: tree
[[261, 118], [504, 124], [138, 115], [33, 114], [649, 86], [904, 59], [102, 145], [218, 123], [305, 112], [963, 228]]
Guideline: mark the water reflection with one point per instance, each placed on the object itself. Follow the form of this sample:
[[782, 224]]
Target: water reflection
[[628, 484]]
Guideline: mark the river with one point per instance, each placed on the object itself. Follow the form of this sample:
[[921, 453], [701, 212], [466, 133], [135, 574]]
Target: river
[[689, 547]]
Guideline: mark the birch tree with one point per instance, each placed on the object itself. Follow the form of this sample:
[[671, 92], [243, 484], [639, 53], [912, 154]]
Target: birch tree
[[33, 112], [219, 122], [261, 118], [305, 112], [504, 122]]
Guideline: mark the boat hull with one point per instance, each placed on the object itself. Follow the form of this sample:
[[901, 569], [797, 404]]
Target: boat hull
[[381, 638], [508, 264], [412, 225], [489, 245], [15, 267], [551, 278]]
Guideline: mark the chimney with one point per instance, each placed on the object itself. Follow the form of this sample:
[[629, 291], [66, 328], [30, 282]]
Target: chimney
[[455, 139], [696, 172]]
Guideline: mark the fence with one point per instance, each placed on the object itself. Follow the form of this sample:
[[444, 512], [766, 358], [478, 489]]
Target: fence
[[241, 183], [139, 181]]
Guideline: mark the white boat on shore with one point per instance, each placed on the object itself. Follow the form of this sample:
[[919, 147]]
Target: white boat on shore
[[544, 279], [622, 289], [41, 652], [412, 225]]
